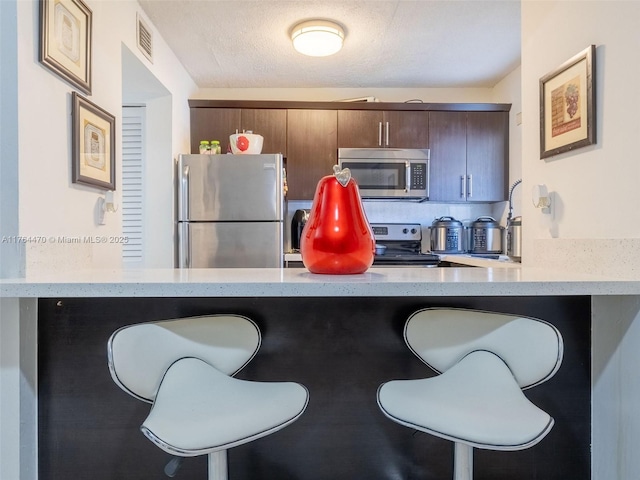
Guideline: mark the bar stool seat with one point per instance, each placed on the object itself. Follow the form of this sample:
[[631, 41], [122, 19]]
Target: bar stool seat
[[185, 368], [199, 410], [483, 361], [477, 401]]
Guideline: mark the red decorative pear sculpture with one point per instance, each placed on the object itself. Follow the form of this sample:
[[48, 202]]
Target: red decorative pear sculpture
[[337, 237]]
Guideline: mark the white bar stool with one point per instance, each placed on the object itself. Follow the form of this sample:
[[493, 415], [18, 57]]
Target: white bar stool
[[185, 368], [484, 360]]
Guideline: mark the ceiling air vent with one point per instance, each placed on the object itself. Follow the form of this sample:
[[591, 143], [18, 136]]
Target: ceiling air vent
[[145, 38]]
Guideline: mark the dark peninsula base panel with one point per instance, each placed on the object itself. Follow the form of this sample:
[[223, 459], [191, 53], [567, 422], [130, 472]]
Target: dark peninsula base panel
[[342, 349]]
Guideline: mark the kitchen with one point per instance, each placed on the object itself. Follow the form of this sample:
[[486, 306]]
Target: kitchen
[[243, 194], [571, 240]]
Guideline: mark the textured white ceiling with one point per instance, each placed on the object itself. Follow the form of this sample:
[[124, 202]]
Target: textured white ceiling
[[410, 44]]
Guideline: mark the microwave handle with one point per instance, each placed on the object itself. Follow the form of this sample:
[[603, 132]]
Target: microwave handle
[[407, 171], [428, 178]]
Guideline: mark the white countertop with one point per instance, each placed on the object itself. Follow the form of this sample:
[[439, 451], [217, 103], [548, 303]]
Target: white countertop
[[447, 281]]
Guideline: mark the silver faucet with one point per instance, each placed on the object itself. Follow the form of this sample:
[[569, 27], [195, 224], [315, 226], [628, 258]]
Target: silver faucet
[[515, 184]]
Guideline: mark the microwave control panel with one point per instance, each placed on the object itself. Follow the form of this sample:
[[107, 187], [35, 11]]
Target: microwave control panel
[[418, 176]]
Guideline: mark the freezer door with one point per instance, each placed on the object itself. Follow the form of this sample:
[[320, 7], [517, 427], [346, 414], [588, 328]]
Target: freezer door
[[230, 187], [230, 245]]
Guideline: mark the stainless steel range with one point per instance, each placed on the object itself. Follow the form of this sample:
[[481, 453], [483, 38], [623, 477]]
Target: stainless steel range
[[402, 245], [403, 242]]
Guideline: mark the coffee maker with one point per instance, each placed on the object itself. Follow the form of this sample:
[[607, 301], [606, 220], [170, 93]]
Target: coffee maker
[[298, 222]]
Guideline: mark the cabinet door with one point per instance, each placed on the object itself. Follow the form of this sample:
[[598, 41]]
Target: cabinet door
[[271, 124], [447, 142], [360, 129], [487, 157], [406, 129], [312, 150], [213, 124]]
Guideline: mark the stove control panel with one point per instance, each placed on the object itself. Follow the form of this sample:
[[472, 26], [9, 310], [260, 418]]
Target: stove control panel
[[397, 231]]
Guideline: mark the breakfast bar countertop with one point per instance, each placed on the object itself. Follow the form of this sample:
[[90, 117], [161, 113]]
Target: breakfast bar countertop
[[614, 337], [276, 282]]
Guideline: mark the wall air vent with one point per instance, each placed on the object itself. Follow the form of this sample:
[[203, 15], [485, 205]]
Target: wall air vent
[[145, 38]]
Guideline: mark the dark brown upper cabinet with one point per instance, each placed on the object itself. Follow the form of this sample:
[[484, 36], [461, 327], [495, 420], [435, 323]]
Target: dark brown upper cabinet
[[469, 156], [383, 129], [218, 123], [312, 150], [468, 142], [448, 153], [213, 124], [271, 124]]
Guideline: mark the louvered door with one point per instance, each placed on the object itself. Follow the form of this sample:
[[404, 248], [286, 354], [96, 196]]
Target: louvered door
[[132, 185]]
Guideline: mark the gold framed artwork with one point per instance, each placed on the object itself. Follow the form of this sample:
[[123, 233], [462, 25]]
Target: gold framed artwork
[[93, 144], [65, 41], [567, 105]]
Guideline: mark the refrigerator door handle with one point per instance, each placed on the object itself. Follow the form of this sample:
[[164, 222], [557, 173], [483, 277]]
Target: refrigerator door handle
[[184, 245], [184, 193]]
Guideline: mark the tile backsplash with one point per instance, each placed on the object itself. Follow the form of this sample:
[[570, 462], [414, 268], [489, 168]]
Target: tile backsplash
[[424, 213]]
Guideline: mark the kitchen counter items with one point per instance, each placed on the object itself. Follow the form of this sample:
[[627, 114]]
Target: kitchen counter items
[[447, 235]]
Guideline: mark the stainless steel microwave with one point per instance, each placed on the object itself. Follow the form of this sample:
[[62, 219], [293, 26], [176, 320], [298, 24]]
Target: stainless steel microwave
[[394, 173]]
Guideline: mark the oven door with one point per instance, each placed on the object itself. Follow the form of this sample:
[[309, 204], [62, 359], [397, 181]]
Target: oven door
[[416, 260], [379, 179]]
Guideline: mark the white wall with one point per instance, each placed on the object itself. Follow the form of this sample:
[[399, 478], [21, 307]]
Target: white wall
[[509, 91], [595, 189], [12, 261], [50, 206]]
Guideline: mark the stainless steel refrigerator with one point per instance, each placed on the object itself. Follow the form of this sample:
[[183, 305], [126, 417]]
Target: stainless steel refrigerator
[[230, 211]]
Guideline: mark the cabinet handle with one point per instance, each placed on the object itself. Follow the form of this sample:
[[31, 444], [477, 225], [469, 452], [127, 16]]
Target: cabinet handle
[[470, 186], [463, 186], [379, 134], [387, 135]]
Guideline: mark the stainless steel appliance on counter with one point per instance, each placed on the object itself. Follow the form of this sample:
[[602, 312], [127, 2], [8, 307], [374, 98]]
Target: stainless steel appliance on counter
[[514, 229], [514, 239], [298, 221], [487, 236], [230, 211], [391, 173], [447, 236]]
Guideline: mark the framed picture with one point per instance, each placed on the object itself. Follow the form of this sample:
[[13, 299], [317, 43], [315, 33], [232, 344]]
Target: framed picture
[[65, 41], [567, 105], [93, 144]]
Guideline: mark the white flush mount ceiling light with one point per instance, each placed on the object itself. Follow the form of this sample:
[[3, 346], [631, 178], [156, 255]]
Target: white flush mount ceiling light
[[317, 38]]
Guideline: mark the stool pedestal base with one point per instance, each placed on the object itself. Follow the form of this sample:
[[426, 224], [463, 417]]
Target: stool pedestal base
[[218, 465], [462, 462]]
